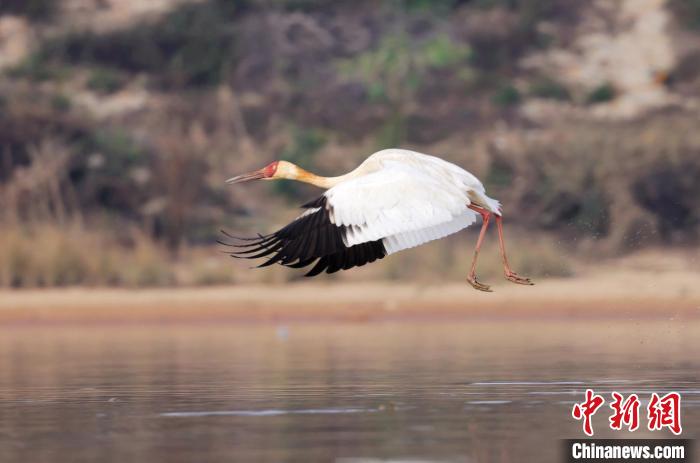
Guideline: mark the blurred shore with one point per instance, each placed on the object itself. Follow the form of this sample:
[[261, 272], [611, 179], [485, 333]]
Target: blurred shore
[[618, 295]]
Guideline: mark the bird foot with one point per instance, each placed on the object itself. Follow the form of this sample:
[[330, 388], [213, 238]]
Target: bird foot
[[515, 278], [476, 284]]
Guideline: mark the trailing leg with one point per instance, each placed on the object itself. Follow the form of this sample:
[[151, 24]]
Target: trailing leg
[[510, 274], [471, 278]]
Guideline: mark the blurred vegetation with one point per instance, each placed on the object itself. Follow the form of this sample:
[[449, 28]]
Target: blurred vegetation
[[37, 10], [35, 68], [507, 95], [114, 143], [688, 11], [549, 89], [105, 81], [628, 187], [601, 94], [194, 45]]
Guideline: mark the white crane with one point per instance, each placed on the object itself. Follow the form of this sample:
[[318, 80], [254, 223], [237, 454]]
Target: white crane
[[396, 199]]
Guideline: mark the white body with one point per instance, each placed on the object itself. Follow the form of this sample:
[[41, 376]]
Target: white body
[[405, 198]]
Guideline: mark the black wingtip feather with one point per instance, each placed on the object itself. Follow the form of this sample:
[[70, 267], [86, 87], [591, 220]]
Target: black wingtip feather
[[311, 239]]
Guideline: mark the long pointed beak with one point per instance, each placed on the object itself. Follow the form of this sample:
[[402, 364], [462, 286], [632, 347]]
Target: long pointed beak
[[255, 175]]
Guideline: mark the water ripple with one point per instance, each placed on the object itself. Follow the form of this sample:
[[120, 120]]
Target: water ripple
[[271, 412]]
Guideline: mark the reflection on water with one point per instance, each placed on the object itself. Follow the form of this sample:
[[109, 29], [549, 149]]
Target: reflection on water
[[480, 391]]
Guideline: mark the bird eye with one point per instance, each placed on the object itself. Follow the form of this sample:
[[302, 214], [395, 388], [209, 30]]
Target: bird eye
[[271, 169]]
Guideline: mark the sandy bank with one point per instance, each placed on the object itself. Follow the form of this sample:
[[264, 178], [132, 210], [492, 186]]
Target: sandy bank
[[626, 295]]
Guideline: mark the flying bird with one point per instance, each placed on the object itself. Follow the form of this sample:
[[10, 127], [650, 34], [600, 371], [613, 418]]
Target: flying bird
[[395, 200]]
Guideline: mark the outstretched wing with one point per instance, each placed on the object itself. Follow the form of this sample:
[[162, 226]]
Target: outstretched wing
[[310, 238], [364, 219]]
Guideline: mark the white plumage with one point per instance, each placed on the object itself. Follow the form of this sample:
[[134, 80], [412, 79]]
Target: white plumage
[[395, 200], [410, 239], [406, 199]]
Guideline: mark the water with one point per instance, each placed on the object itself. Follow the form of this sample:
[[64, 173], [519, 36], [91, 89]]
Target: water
[[496, 391]]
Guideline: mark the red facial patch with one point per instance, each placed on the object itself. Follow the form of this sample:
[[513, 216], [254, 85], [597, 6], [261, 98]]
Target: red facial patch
[[270, 169]]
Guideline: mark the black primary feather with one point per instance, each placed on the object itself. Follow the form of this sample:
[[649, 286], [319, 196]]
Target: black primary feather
[[309, 239]]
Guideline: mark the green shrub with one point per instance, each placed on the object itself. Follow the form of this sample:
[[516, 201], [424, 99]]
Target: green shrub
[[105, 80], [549, 89], [433, 6], [601, 94], [60, 102], [500, 174], [388, 68], [394, 70], [441, 52], [36, 67], [120, 150], [392, 132], [506, 96], [498, 50]]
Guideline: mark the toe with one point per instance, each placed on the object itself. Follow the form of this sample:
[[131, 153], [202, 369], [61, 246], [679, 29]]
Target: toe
[[476, 284], [515, 278]]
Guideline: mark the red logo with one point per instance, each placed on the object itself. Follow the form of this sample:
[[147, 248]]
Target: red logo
[[665, 412], [662, 412], [625, 413], [587, 409]]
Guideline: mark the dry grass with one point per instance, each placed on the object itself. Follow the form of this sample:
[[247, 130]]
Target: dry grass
[[49, 255]]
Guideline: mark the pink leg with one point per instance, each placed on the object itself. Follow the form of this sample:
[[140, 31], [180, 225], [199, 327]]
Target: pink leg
[[471, 278], [510, 274]]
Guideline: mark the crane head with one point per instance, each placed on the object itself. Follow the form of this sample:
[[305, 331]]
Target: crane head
[[266, 173], [277, 170]]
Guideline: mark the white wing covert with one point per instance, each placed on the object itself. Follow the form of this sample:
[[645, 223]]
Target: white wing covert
[[399, 204]]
